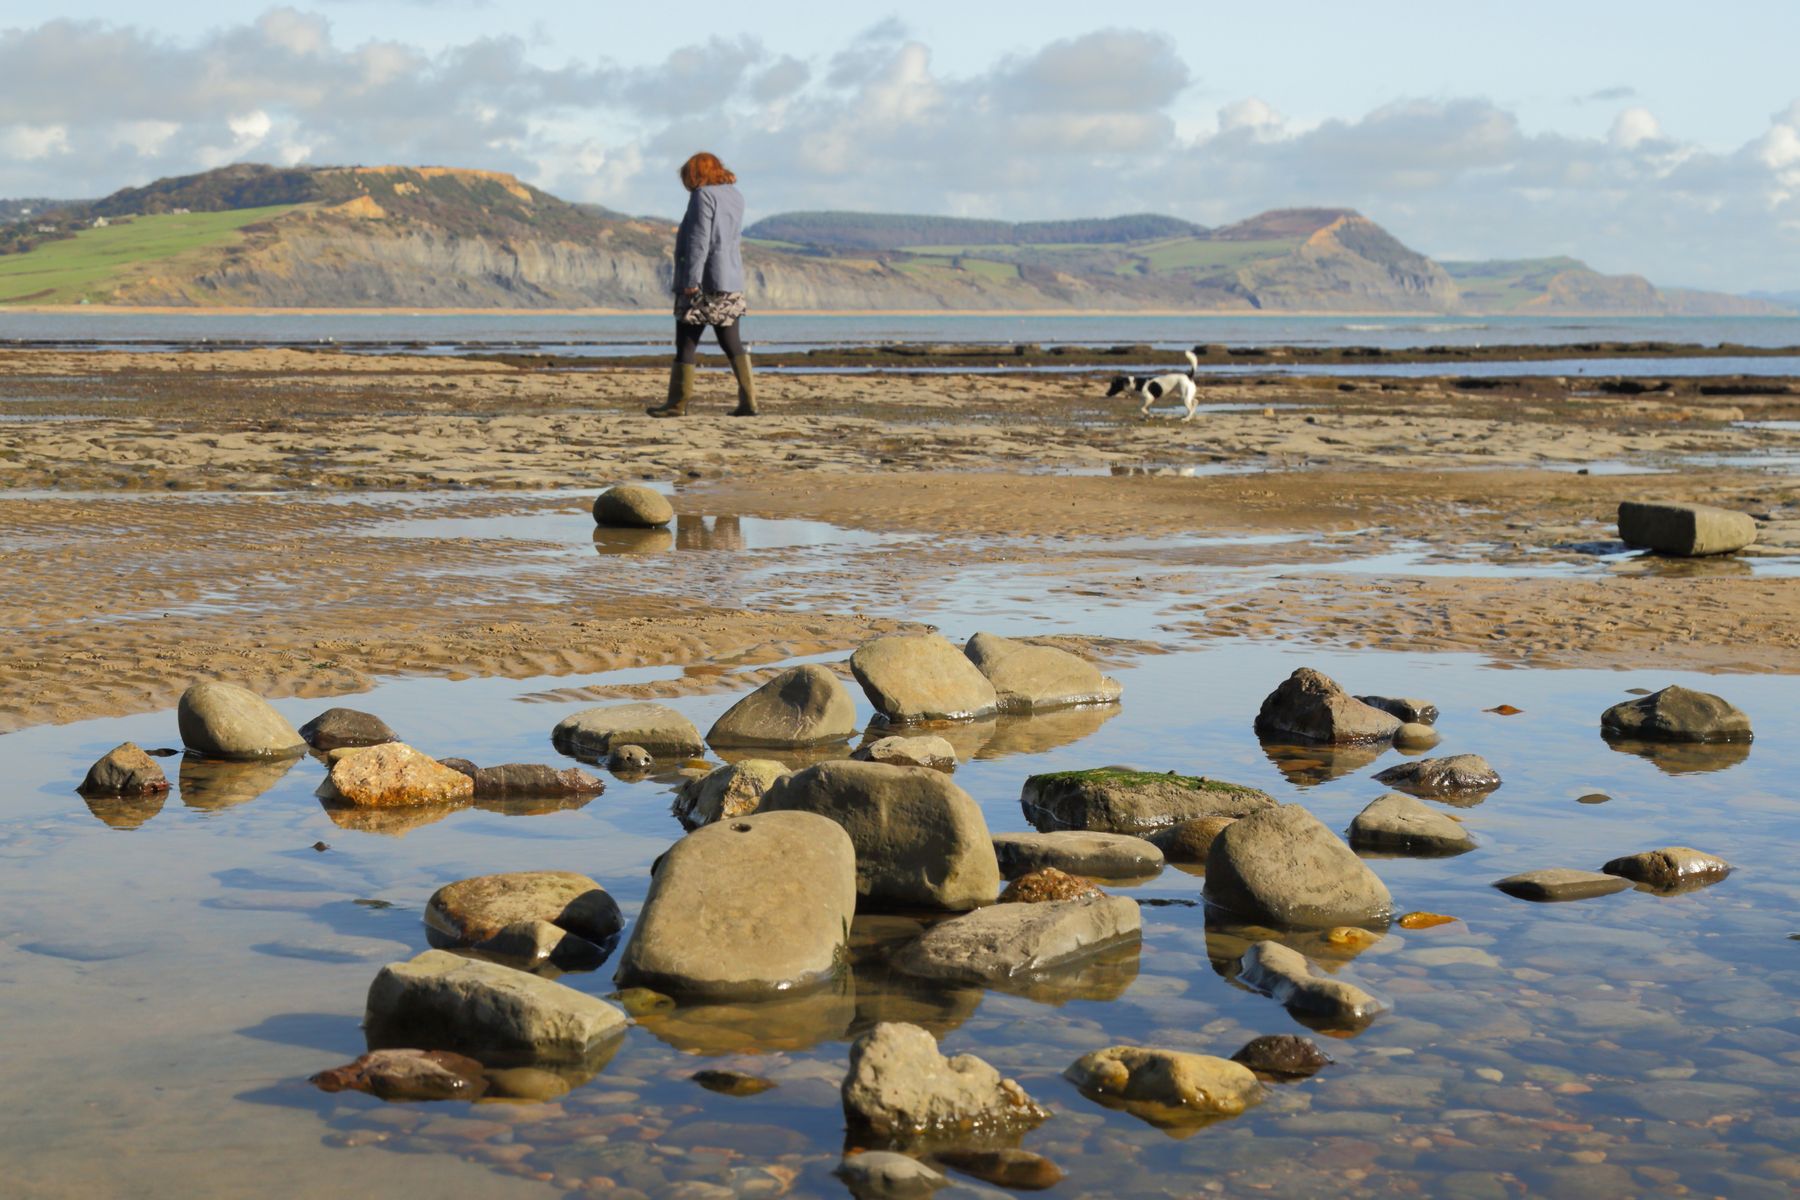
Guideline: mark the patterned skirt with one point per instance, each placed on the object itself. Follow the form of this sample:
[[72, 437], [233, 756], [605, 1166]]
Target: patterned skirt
[[710, 308]]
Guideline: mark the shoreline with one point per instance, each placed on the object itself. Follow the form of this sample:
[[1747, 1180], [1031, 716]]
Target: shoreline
[[821, 313]]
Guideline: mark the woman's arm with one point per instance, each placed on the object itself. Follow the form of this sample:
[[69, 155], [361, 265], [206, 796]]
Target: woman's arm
[[693, 242]]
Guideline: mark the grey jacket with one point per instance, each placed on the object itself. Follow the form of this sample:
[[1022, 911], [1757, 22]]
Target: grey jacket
[[706, 248]]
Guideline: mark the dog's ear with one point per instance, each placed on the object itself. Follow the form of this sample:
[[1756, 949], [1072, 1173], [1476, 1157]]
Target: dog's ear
[[1119, 384]]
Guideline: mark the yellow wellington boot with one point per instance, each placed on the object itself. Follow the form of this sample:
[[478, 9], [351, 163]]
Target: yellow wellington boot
[[681, 390], [740, 366]]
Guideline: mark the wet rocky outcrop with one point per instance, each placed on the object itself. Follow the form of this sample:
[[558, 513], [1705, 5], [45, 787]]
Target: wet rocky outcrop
[[525, 780], [394, 775], [1045, 884], [407, 1075], [1561, 883], [1282, 1056], [1284, 975], [923, 750], [1670, 869]]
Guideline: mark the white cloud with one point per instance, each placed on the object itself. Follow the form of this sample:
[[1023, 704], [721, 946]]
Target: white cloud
[[1633, 127], [33, 141]]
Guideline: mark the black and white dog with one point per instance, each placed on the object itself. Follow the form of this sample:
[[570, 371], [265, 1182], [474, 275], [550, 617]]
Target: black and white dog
[[1154, 387]]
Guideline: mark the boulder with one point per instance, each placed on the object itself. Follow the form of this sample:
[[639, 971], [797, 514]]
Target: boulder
[[1399, 822], [632, 506], [886, 1175], [746, 908], [1561, 883], [444, 1001], [921, 677], [1676, 714], [925, 750], [921, 841], [1190, 841], [900, 1089], [1281, 865], [1001, 943], [395, 775], [516, 780], [407, 1075], [1285, 976], [1415, 736], [499, 915], [1028, 677], [1120, 800], [1312, 706], [656, 728], [1166, 1084], [1282, 1056], [125, 770], [1046, 884], [1684, 530], [805, 706], [1103, 855], [223, 720], [733, 790], [1672, 868], [1453, 775], [1417, 712], [337, 727]]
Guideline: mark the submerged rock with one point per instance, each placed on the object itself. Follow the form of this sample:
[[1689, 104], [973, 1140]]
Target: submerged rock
[[921, 841], [805, 706], [1684, 530], [443, 1001], [926, 750], [1285, 976], [1399, 822], [1560, 883], [1457, 773], [1004, 1166], [396, 776], [1676, 714], [733, 790], [1415, 736], [994, 945], [886, 1175], [1282, 865], [520, 780], [1166, 1086], [632, 506], [407, 1075], [921, 677], [1120, 800], [1189, 841], [1282, 1056], [1027, 677], [1407, 709], [1311, 705], [656, 728], [1105, 855], [629, 760], [125, 770], [1670, 869], [732, 1083], [223, 720], [746, 908], [1045, 884], [337, 727], [901, 1089], [529, 917]]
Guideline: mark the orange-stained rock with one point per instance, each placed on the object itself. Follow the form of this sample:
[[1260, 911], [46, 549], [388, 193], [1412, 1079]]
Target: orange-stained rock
[[1047, 883], [397, 776]]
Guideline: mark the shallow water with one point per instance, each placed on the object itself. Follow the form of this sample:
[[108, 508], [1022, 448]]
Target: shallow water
[[175, 969]]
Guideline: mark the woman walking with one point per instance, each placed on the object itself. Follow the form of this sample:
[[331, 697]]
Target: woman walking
[[709, 282]]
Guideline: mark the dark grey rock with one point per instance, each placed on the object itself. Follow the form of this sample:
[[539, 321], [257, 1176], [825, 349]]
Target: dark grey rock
[[1451, 775], [1312, 706], [125, 770], [337, 727], [1676, 714], [1419, 712]]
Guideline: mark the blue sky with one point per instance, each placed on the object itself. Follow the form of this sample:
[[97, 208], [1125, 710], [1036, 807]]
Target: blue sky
[[1640, 137]]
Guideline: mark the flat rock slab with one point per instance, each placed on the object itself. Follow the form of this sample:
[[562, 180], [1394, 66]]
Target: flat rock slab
[[473, 910], [443, 1001], [1282, 865], [733, 790], [804, 706], [223, 720], [1118, 800], [1406, 708], [994, 945], [1284, 975], [632, 506], [1561, 883], [1399, 822], [125, 770], [1100, 855], [395, 775], [746, 908], [1676, 714], [1684, 530], [337, 727], [1029, 677], [1455, 774], [1166, 1087], [921, 841], [921, 677], [924, 750], [516, 781], [1310, 705], [594, 732], [901, 1089], [1672, 868]]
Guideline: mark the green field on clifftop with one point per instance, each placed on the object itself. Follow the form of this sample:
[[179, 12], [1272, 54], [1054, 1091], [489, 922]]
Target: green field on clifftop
[[84, 266]]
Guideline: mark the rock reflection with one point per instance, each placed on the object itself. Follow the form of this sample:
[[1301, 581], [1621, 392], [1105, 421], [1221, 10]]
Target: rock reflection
[[757, 1026], [1309, 765], [1032, 733], [1176, 1121], [389, 822], [1685, 758], [126, 812], [608, 540], [794, 758], [1229, 937], [211, 783], [694, 532], [531, 806]]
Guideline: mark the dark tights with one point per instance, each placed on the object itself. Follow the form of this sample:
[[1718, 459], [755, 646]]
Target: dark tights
[[687, 340]]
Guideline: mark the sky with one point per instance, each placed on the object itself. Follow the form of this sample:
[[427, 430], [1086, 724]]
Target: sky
[[1654, 137]]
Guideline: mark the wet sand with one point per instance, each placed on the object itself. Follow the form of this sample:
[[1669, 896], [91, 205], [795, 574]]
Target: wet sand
[[167, 516]]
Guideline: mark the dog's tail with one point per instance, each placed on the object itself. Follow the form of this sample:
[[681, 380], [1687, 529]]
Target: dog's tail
[[1193, 365]]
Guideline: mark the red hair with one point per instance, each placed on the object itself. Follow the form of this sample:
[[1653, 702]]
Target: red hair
[[704, 170]]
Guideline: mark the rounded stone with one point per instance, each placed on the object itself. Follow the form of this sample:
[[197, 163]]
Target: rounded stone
[[337, 727], [804, 706], [223, 720], [632, 506], [1402, 823], [476, 909], [125, 770], [733, 790], [1193, 1084], [1282, 865], [1415, 736], [653, 727], [1028, 677], [1676, 714], [921, 677]]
